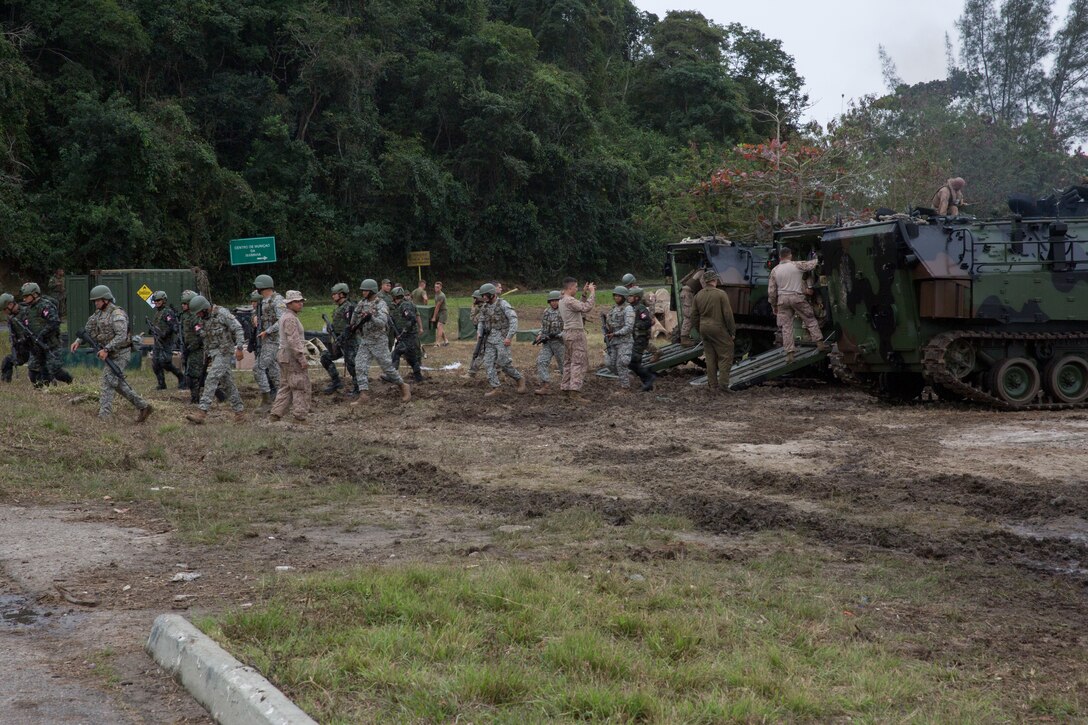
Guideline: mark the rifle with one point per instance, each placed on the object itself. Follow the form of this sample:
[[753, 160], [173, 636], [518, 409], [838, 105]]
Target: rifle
[[254, 333], [606, 329], [30, 334], [334, 339], [541, 338], [155, 331], [480, 344], [97, 348]]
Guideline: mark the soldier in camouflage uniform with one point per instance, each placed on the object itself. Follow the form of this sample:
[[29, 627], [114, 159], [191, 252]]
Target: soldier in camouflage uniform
[[370, 321], [108, 327], [497, 327], [270, 309], [644, 323], [341, 320], [41, 316], [192, 347], [621, 326], [165, 320], [404, 318], [223, 337], [385, 294], [550, 340], [20, 343], [629, 281]]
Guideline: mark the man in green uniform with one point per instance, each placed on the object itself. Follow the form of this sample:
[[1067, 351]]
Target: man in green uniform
[[20, 341], [41, 319], [341, 320], [165, 325], [439, 316], [712, 316], [404, 318], [644, 322]]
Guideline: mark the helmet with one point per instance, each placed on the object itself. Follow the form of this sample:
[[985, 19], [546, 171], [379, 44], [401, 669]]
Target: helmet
[[160, 295], [101, 292], [369, 285], [6, 299], [254, 296], [635, 292], [554, 295], [263, 281], [340, 288], [199, 304], [487, 289], [187, 296], [475, 294], [398, 291], [628, 278], [30, 288], [621, 291]]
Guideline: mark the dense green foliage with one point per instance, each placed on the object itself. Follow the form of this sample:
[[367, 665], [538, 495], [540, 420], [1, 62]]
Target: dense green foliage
[[513, 137]]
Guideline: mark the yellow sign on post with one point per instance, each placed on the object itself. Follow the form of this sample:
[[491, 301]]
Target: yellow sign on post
[[419, 260], [145, 294]]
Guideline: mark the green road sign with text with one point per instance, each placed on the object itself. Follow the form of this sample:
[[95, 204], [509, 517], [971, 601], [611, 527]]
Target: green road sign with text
[[256, 250]]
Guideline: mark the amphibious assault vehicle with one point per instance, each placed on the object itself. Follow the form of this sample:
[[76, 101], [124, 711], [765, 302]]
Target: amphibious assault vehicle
[[994, 312]]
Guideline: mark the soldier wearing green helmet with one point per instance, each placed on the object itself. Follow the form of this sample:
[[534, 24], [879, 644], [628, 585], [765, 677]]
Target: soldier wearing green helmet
[[644, 323], [340, 344], [40, 318], [270, 308], [497, 328], [20, 342], [166, 324], [224, 342], [619, 327], [550, 340], [404, 319], [108, 327], [370, 322], [629, 281], [477, 306]]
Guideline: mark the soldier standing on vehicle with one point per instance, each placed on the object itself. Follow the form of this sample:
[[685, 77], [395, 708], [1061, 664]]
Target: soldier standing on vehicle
[[786, 291], [223, 338], [165, 321], [576, 352], [712, 316], [689, 287], [438, 317], [498, 326], [644, 322], [371, 321], [618, 337], [550, 340], [270, 309], [41, 317], [405, 321], [949, 198], [108, 327], [341, 344], [294, 392], [20, 343]]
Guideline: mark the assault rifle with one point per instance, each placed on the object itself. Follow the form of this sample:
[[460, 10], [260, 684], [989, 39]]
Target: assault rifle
[[480, 344], [541, 338], [114, 368], [334, 339], [155, 331], [30, 334]]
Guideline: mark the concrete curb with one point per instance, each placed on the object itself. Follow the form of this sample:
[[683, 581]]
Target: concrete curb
[[231, 692]]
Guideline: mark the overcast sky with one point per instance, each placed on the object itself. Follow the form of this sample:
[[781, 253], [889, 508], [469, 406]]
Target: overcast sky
[[835, 43]]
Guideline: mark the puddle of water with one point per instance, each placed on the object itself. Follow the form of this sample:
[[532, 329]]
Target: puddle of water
[[1068, 433], [16, 611], [1069, 528]]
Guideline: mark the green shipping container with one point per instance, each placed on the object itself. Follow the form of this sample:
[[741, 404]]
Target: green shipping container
[[465, 329], [129, 287]]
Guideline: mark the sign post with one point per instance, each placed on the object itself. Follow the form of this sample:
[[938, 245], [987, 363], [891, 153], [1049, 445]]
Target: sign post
[[419, 260], [254, 250]]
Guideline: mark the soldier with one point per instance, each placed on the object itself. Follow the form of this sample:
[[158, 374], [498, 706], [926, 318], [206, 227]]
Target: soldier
[[576, 352], [222, 335], [164, 328], [369, 321], [689, 287], [712, 316], [629, 281], [386, 296], [620, 326], [550, 340], [474, 316], [786, 291], [108, 327], [20, 341], [949, 198], [41, 318], [200, 279], [341, 320], [644, 322], [294, 393], [253, 345], [192, 349], [438, 318], [497, 327], [419, 294], [404, 318], [269, 311], [56, 288]]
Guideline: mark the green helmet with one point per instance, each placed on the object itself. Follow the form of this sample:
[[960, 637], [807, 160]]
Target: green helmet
[[398, 291], [6, 299], [263, 281], [487, 289], [369, 285], [199, 304], [187, 296], [635, 292], [628, 279], [30, 288], [101, 292], [160, 295], [475, 294], [621, 291], [254, 296], [554, 295], [341, 288]]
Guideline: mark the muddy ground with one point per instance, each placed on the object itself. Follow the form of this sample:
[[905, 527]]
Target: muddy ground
[[994, 503]]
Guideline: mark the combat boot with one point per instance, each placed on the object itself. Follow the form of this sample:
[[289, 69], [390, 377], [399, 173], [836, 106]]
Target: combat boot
[[334, 382], [275, 418], [405, 393], [183, 381], [197, 417], [544, 389], [361, 400], [266, 402], [648, 382], [492, 393], [144, 414], [161, 378], [523, 387], [63, 375]]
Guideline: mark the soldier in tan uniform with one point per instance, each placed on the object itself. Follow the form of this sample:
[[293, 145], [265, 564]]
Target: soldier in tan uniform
[[786, 291], [712, 316], [294, 391], [949, 198], [574, 335]]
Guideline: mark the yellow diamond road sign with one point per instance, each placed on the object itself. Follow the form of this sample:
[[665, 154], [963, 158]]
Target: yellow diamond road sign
[[145, 293]]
